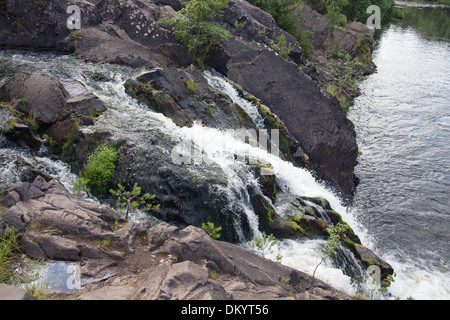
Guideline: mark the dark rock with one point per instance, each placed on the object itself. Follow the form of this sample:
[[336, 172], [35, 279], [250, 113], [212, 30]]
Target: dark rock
[[14, 217], [85, 105], [38, 95], [30, 248], [24, 134], [318, 123], [369, 258], [180, 281]]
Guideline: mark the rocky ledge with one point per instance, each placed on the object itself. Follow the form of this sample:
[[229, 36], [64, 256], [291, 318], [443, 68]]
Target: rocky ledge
[[140, 260], [132, 32]]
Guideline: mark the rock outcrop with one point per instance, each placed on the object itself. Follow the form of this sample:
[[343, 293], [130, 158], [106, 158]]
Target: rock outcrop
[[44, 105], [132, 32], [141, 261]]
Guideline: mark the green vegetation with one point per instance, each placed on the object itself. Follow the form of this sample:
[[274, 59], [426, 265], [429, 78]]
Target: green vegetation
[[214, 232], [191, 85], [80, 185], [281, 46], [76, 34], [264, 245], [6, 67], [99, 170], [133, 199], [334, 240], [9, 247], [197, 29], [338, 11], [345, 75], [284, 13]]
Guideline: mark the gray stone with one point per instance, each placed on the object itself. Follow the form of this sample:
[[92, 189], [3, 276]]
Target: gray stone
[[179, 281], [14, 293]]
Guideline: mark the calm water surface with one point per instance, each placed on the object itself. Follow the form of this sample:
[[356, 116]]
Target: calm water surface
[[402, 121]]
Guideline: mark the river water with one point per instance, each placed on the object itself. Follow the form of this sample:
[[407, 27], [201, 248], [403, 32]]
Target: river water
[[402, 121]]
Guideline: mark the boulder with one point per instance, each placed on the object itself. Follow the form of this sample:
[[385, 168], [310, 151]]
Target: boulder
[[38, 95]]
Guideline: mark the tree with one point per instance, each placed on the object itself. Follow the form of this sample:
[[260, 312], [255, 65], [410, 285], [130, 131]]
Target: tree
[[264, 245], [132, 199], [196, 29], [334, 240]]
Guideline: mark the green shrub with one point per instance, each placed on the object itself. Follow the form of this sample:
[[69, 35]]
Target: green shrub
[[281, 46], [214, 232], [196, 28], [283, 13], [8, 248], [264, 245], [334, 241], [99, 169]]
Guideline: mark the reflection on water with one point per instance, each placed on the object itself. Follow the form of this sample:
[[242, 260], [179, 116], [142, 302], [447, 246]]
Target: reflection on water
[[431, 22], [402, 121]]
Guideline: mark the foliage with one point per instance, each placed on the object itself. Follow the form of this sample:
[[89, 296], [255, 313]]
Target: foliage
[[334, 240], [80, 185], [283, 13], [133, 199], [281, 46], [6, 67], [196, 28], [387, 282], [100, 167], [345, 73], [214, 232], [191, 85], [353, 10], [264, 245], [8, 246]]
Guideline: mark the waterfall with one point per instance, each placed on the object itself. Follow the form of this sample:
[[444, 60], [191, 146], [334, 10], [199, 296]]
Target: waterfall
[[218, 147]]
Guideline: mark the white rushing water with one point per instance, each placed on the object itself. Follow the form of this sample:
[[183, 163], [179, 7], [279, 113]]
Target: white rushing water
[[214, 146]]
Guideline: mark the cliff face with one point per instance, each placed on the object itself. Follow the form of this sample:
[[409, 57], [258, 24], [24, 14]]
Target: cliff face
[[131, 32]]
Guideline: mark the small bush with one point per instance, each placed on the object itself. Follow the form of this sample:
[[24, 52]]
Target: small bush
[[214, 232], [8, 248], [197, 29], [281, 46], [100, 167]]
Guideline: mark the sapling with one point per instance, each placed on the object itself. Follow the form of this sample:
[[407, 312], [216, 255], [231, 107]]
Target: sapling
[[334, 240], [214, 232], [133, 199], [264, 245]]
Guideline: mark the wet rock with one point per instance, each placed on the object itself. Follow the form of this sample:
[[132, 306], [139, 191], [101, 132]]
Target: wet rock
[[185, 97]]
